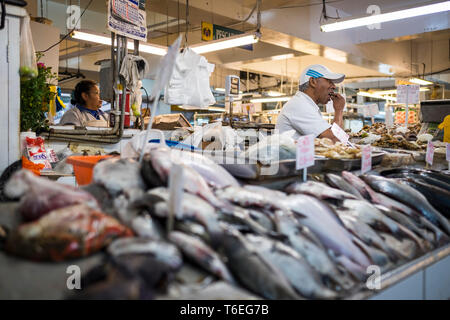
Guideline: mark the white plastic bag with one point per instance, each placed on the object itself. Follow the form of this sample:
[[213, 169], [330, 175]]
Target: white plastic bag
[[28, 67]]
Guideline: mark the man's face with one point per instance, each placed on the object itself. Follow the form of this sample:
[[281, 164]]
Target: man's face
[[324, 89]]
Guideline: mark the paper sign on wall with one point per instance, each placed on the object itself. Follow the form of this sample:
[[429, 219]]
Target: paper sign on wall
[[305, 152], [366, 159], [430, 153], [408, 94], [373, 109], [339, 133], [128, 18]]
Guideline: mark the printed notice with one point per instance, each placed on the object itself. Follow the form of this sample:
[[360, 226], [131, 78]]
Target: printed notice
[[305, 152], [430, 153], [339, 133], [366, 159], [128, 18]]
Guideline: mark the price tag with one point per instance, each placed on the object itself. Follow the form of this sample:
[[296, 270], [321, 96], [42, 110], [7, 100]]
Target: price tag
[[447, 151], [339, 133], [366, 159], [373, 109], [408, 94], [305, 152], [388, 117], [430, 153]]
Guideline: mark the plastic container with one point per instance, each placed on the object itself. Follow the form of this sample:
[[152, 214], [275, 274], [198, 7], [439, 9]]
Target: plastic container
[[82, 167]]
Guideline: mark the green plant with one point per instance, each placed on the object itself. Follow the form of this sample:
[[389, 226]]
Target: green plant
[[35, 97]]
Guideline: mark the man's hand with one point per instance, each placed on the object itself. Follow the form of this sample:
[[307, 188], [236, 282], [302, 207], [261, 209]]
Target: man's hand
[[338, 102]]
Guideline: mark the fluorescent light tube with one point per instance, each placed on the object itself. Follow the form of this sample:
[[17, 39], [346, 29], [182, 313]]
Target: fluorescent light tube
[[420, 81], [226, 43], [143, 47], [274, 99], [386, 17], [376, 96]]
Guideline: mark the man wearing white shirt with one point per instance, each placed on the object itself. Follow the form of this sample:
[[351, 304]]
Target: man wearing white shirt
[[302, 114]]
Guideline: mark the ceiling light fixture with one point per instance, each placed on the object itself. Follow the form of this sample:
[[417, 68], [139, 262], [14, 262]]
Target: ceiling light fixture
[[386, 17], [420, 81], [226, 43], [274, 99], [143, 47], [376, 96]]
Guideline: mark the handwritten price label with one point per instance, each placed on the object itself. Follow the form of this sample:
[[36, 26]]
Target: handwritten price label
[[305, 152], [430, 153], [339, 133], [366, 159]]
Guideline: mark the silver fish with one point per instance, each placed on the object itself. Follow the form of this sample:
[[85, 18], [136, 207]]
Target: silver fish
[[366, 233], [202, 254], [405, 247], [193, 208], [324, 223], [338, 182], [298, 272], [194, 183], [410, 197], [303, 241], [162, 251], [319, 190], [119, 175], [252, 271], [369, 214]]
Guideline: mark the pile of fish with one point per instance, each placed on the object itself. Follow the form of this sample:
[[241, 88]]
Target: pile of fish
[[313, 240]]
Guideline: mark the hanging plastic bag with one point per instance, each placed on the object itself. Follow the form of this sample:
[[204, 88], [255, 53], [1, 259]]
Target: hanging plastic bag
[[28, 67]]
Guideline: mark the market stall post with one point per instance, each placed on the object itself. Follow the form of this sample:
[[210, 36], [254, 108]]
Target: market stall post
[[406, 107], [162, 79]]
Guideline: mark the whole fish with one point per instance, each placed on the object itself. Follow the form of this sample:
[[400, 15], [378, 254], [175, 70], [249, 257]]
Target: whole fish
[[378, 257], [65, 233], [408, 223], [325, 224], [242, 216], [297, 271], [202, 254], [360, 185], [193, 208], [252, 271], [39, 196], [303, 241], [424, 173], [318, 190], [369, 214], [424, 178], [194, 183], [118, 175], [194, 229], [405, 247], [366, 233], [162, 251], [410, 197], [246, 197], [438, 197], [338, 182]]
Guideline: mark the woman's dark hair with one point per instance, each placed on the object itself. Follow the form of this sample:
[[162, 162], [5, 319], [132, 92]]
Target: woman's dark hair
[[83, 86]]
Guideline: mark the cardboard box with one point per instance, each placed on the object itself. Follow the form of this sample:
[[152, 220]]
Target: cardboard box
[[169, 122]]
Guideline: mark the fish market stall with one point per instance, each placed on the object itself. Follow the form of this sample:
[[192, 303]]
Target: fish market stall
[[310, 240]]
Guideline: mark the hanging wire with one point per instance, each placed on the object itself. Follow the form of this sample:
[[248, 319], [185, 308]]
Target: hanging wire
[[167, 23], [187, 23]]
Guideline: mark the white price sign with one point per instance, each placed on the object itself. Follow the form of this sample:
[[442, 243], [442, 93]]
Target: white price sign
[[408, 94], [373, 109], [430, 153], [366, 159], [339, 133], [305, 152]]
